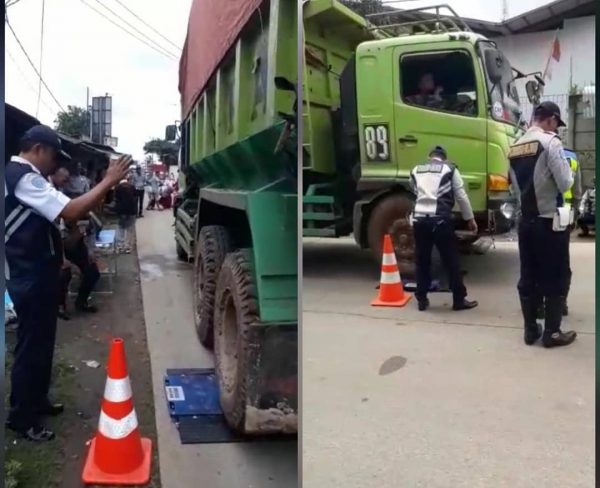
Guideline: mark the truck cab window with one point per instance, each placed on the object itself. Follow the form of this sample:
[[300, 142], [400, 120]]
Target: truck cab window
[[439, 81]]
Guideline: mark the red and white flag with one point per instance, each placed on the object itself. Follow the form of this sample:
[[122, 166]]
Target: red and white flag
[[554, 57]]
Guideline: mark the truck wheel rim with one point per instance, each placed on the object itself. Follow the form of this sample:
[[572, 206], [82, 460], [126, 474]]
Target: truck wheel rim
[[402, 238], [230, 342]]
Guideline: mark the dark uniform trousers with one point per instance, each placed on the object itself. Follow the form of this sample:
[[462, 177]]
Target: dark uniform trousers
[[79, 256], [139, 196], [544, 256], [36, 308], [568, 260], [64, 282], [430, 231]]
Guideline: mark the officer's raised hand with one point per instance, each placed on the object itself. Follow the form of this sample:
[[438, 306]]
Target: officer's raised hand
[[80, 206], [118, 169]]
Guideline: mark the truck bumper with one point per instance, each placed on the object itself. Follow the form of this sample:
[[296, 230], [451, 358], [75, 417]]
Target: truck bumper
[[272, 381]]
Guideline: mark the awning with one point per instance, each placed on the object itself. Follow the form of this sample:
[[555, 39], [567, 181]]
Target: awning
[[18, 122]]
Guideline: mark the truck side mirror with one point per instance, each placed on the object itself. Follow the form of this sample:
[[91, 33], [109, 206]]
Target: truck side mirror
[[533, 90], [495, 66], [171, 133]]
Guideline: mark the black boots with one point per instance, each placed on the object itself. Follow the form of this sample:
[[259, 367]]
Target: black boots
[[464, 305], [553, 336], [540, 308], [532, 330]]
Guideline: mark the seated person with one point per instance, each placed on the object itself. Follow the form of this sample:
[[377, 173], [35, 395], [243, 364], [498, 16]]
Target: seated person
[[429, 94], [587, 211], [77, 253]]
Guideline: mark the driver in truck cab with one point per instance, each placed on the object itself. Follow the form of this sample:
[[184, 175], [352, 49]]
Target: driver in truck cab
[[438, 185], [429, 94]]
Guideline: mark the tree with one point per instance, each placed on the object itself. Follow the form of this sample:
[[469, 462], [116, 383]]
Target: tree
[[75, 122], [166, 151]]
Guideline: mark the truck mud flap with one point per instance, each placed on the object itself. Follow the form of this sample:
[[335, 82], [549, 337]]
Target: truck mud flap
[[272, 396]]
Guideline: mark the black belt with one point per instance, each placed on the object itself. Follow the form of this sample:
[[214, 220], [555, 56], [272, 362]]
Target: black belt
[[432, 217]]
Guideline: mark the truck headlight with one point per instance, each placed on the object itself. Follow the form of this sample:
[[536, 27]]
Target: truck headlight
[[507, 210]]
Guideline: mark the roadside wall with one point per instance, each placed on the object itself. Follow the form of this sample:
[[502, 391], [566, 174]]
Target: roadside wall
[[581, 134]]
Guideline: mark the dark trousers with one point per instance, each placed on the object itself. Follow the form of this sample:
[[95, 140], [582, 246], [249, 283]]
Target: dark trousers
[[544, 257], [151, 201], [139, 196], [79, 256], [63, 291], [37, 311], [569, 271], [439, 232]]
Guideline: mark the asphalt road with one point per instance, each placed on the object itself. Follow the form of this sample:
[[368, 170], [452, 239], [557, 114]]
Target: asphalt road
[[166, 289], [397, 398]]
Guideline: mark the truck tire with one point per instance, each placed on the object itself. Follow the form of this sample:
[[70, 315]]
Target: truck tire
[[390, 216], [236, 308], [181, 254], [211, 248]]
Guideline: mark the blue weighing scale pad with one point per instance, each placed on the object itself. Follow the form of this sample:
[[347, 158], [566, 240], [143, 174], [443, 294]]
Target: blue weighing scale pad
[[192, 392]]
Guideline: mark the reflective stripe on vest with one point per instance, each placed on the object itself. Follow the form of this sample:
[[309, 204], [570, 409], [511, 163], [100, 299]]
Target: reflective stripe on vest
[[572, 158]]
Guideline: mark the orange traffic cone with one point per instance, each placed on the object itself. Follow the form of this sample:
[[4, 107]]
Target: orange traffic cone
[[118, 455], [391, 291]]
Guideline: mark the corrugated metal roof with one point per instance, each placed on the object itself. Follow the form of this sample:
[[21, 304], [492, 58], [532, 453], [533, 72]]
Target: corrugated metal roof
[[18, 121], [546, 17]]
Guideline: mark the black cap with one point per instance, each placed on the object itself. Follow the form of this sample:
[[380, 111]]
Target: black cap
[[42, 134], [439, 150], [549, 109]]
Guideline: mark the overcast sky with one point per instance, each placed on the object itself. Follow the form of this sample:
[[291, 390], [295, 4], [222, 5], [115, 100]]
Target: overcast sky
[[83, 49]]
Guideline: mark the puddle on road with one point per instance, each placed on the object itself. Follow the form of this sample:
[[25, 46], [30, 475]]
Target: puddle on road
[[155, 266], [391, 365]]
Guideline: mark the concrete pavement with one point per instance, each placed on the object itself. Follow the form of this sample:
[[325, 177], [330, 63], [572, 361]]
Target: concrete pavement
[[397, 398], [166, 290]]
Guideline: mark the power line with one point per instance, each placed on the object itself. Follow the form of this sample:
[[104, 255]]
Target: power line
[[146, 23], [37, 110], [128, 32], [147, 37], [33, 65], [26, 80]]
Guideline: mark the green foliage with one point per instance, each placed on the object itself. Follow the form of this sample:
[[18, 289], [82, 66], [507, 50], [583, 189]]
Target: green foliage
[[74, 122], [166, 151], [12, 471]]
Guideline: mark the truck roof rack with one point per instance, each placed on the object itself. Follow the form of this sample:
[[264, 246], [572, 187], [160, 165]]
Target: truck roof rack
[[419, 20]]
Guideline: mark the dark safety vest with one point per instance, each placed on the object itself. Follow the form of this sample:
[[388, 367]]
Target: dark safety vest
[[33, 245]]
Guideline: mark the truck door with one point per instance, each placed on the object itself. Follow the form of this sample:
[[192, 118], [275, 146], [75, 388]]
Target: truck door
[[439, 101]]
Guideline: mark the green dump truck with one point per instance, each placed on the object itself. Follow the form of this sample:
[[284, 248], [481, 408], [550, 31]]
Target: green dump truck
[[237, 221], [366, 124]]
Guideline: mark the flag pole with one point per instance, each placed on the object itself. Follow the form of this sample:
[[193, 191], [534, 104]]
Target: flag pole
[[551, 52]]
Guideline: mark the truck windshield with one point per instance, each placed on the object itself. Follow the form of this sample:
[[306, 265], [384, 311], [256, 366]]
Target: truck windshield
[[504, 98]]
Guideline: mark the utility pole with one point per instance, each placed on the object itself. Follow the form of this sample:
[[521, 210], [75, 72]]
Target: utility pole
[[504, 10], [89, 110]]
